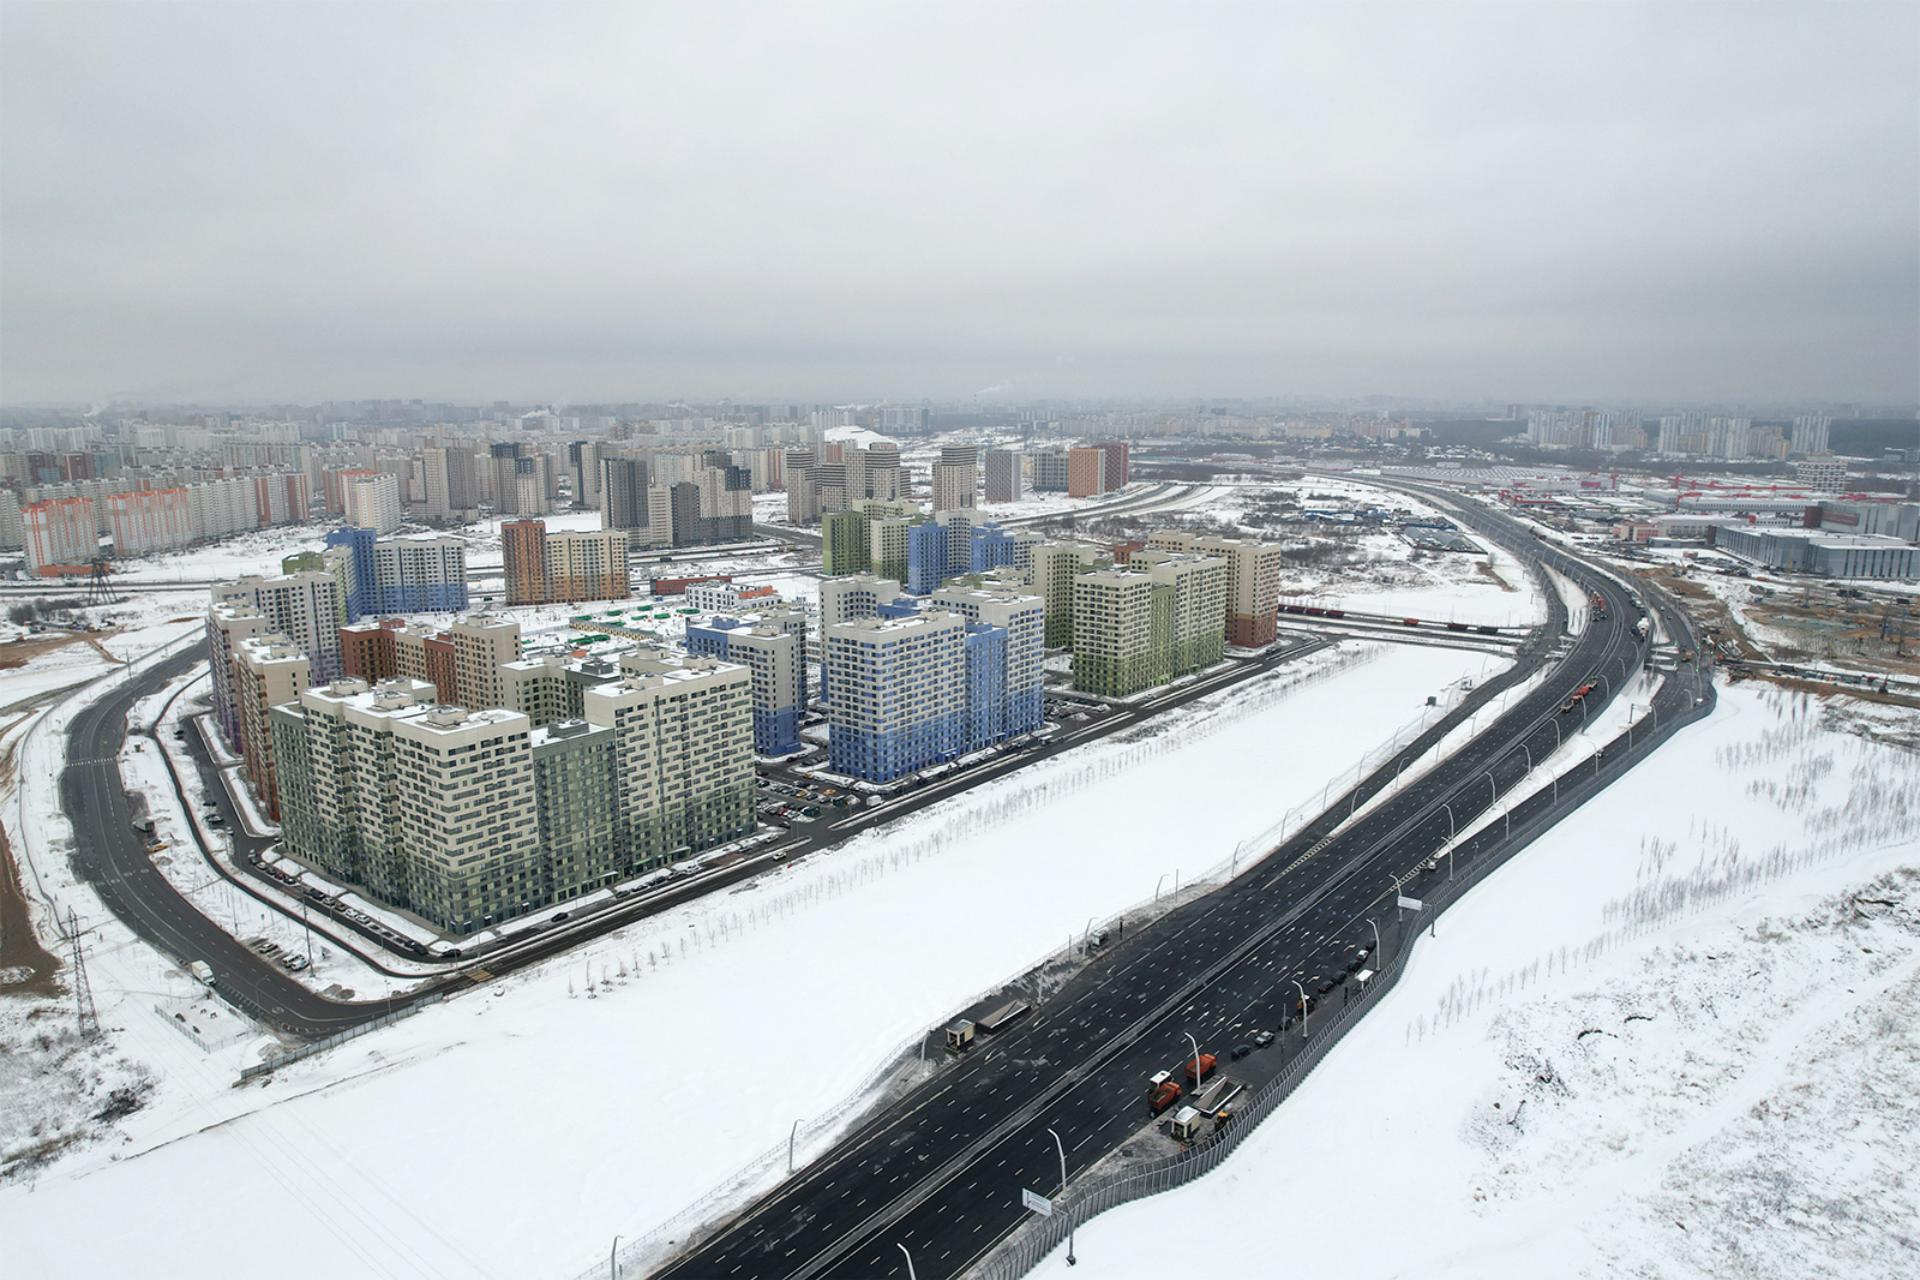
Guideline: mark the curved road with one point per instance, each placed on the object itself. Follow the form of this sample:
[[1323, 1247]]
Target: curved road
[[940, 1170]]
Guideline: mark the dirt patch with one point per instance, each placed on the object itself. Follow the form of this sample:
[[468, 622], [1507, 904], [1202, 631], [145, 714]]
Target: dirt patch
[[18, 653], [26, 968], [1486, 570]]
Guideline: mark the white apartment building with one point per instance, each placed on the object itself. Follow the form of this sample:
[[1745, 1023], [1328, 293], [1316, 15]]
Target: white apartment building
[[373, 502], [467, 816], [304, 607], [148, 521], [227, 626], [899, 698], [683, 732]]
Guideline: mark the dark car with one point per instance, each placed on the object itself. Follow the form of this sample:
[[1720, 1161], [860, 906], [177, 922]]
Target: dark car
[[1241, 1050]]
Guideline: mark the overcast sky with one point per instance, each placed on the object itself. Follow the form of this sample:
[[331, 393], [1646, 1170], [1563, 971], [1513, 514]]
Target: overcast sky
[[839, 202]]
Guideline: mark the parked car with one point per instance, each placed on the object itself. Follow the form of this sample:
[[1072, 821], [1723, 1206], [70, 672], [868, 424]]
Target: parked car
[[1240, 1051], [1262, 1038]]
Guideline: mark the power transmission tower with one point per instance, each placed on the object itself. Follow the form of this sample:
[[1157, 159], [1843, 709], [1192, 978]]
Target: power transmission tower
[[83, 1007], [100, 585]]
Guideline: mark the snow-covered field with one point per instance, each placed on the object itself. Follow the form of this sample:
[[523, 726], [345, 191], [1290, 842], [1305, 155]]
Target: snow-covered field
[[388, 1156], [1675, 1037]]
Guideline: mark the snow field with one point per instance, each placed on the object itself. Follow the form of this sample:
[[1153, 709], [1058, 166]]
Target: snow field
[[743, 1011], [1717, 1061]]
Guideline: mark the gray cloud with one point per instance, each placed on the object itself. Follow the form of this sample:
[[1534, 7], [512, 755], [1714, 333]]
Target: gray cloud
[[837, 201]]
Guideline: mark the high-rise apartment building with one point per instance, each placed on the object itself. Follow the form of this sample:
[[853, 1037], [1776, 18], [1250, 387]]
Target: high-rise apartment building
[[1157, 619], [467, 816], [550, 687], [1117, 471], [148, 521], [60, 536], [1823, 473], [450, 475], [1810, 432], [683, 731], [1010, 700], [956, 478], [480, 645], [583, 465], [228, 625], [303, 607], [899, 693], [1004, 481], [542, 566], [1253, 581], [1086, 472], [575, 793], [624, 482], [367, 650], [774, 650], [1055, 566], [419, 573], [845, 542], [1051, 471], [803, 493], [267, 671], [373, 501]]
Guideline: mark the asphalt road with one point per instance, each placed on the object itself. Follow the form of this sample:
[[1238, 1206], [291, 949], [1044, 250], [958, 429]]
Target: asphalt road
[[940, 1171], [112, 857]]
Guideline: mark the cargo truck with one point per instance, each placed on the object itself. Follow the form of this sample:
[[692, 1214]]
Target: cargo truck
[[1162, 1092], [1199, 1068], [202, 971]]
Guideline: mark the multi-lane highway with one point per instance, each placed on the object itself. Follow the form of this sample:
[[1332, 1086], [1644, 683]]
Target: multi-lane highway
[[940, 1171]]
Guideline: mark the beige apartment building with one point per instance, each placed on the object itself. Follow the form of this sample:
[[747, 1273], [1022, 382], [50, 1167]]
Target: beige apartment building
[[1253, 581], [480, 645], [683, 733], [1160, 617]]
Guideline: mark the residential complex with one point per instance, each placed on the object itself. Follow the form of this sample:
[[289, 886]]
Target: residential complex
[[60, 536], [543, 566], [1154, 620], [1253, 581], [469, 816], [773, 647]]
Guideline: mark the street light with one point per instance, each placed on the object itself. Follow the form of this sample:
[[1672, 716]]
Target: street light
[[1376, 941], [1156, 886], [1449, 809], [1196, 1057], [795, 1131], [903, 1249], [1494, 787], [613, 1260], [1303, 1007], [1058, 1146]]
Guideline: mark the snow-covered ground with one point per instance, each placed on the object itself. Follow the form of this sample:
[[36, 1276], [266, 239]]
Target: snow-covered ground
[[1655, 1044], [387, 1156]]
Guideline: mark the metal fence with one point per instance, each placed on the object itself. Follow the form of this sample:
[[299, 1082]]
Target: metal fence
[[338, 1038], [1484, 853]]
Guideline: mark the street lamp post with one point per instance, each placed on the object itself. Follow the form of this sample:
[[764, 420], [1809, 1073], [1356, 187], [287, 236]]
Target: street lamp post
[[1449, 809], [1303, 1007], [795, 1132], [903, 1249], [1494, 787], [1376, 942], [1061, 1148], [1156, 886], [1196, 1057], [613, 1260]]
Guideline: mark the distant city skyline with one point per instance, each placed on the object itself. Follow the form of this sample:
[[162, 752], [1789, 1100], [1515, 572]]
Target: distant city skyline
[[1605, 204]]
